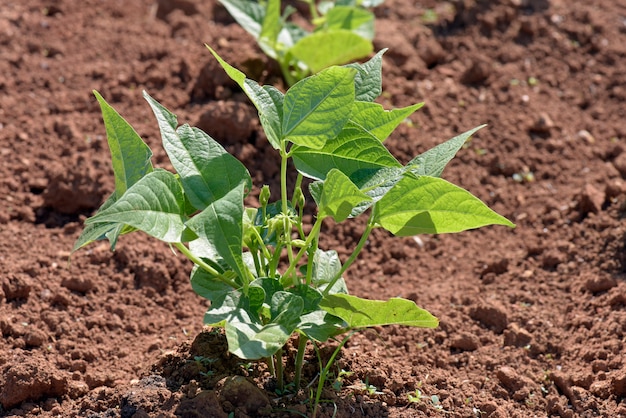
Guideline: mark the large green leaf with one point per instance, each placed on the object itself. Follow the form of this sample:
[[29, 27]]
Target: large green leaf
[[432, 162], [338, 196], [251, 340], [430, 205], [130, 156], [321, 50], [349, 152], [206, 169], [362, 313], [368, 81], [154, 205], [221, 224], [316, 109], [378, 122]]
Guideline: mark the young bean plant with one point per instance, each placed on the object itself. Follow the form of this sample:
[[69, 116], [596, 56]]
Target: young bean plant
[[261, 267], [342, 31]]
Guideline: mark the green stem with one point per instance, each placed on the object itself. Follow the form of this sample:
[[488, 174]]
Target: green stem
[[302, 340], [284, 67], [312, 236], [280, 382], [273, 264], [352, 258], [203, 265], [285, 207], [257, 263], [270, 365], [311, 257], [313, 10], [262, 246]]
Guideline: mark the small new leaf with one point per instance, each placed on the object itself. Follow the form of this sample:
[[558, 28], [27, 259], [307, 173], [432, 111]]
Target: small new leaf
[[338, 196]]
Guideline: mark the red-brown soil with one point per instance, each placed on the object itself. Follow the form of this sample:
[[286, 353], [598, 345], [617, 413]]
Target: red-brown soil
[[533, 320]]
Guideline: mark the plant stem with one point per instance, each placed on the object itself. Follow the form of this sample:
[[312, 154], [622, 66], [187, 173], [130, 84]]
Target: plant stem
[[285, 208], [270, 365], [312, 236], [280, 382], [203, 265], [264, 251], [313, 10], [302, 340], [311, 257], [352, 258]]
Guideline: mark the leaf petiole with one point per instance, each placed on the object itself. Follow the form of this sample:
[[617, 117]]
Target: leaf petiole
[[353, 256], [203, 265]]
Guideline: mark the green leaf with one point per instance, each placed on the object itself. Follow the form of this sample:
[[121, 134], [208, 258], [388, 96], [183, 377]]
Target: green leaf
[[375, 184], [249, 14], [309, 295], [251, 341], [368, 82], [269, 285], [316, 108], [320, 325], [97, 232], [378, 122], [321, 50], [221, 224], [430, 205], [269, 103], [256, 298], [432, 162], [355, 19], [205, 285], [350, 152], [206, 169], [130, 156], [228, 307], [326, 265], [362, 313], [154, 205], [271, 25], [338, 196]]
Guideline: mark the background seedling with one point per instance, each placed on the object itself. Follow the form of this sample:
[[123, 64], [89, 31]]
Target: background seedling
[[342, 31]]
